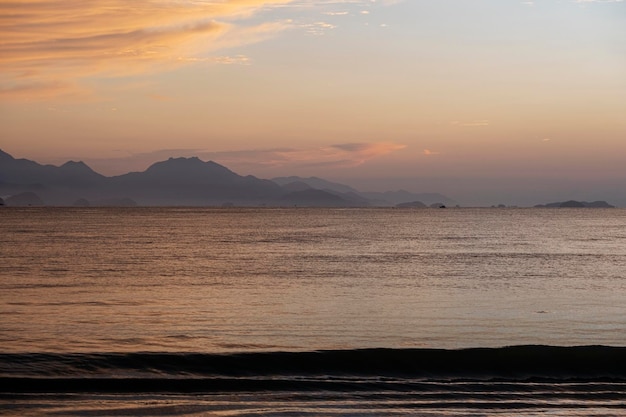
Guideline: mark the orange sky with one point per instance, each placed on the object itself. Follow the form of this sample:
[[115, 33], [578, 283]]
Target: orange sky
[[456, 96]]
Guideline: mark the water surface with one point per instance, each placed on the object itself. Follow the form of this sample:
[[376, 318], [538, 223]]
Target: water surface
[[187, 281]]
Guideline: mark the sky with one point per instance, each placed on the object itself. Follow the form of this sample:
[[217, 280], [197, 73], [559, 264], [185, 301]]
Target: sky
[[486, 101]]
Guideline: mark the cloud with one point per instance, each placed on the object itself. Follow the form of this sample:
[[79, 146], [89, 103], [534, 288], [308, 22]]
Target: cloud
[[363, 152], [51, 45], [245, 161], [342, 13], [44, 89], [340, 155], [428, 152], [318, 28], [226, 60], [50, 48]]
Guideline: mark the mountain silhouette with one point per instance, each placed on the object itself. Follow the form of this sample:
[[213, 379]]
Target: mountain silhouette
[[314, 198], [316, 183], [412, 204], [26, 199], [387, 198], [176, 181], [576, 204], [296, 186], [403, 196], [24, 171], [183, 170], [190, 181], [333, 193], [78, 172]]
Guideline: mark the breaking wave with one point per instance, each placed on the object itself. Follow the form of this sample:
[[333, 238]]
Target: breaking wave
[[360, 369]]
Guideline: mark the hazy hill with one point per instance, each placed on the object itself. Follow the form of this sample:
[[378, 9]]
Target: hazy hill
[[24, 171], [296, 186], [317, 183], [328, 196], [181, 181], [313, 198], [388, 198], [176, 171], [576, 204], [403, 196], [354, 198], [24, 200], [53, 185], [412, 204], [190, 181]]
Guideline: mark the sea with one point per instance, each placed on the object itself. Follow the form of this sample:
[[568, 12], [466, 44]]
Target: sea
[[312, 312]]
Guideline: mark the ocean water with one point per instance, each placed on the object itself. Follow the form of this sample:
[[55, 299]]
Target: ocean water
[[196, 311]]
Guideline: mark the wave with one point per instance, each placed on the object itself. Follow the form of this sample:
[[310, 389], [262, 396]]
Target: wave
[[597, 369]]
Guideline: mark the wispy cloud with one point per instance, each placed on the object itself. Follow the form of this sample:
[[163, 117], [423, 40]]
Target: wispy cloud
[[335, 156], [44, 89], [363, 152], [48, 45], [227, 60], [49, 48], [340, 155], [318, 28], [341, 13]]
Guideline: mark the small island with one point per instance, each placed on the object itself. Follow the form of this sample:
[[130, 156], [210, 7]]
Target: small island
[[576, 204]]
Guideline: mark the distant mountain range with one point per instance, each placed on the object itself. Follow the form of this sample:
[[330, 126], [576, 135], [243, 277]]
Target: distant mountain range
[[180, 182], [387, 198]]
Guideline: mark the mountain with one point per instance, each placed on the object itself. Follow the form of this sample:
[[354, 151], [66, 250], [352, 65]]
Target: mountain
[[4, 156], [190, 181], [24, 171], [25, 199], [54, 185], [329, 196], [180, 181], [314, 198], [412, 204], [402, 196], [77, 174], [176, 171], [176, 181], [296, 186], [388, 198], [576, 204], [317, 183], [354, 198]]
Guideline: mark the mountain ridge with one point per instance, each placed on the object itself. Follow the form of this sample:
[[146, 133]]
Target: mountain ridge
[[175, 181]]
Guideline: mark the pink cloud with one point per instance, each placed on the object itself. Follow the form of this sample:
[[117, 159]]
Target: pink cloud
[[59, 42]]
